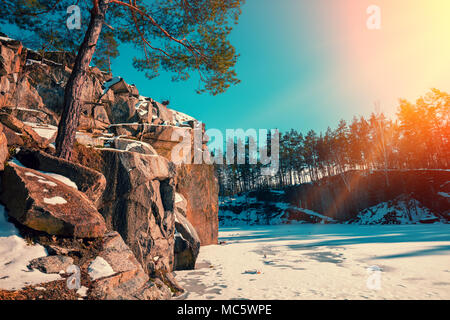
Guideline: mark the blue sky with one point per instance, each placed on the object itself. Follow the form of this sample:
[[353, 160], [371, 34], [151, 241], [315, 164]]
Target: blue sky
[[284, 67], [306, 64]]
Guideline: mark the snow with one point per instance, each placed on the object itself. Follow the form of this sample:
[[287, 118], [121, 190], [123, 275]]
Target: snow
[[332, 261], [110, 83], [50, 183], [5, 39], [62, 179], [135, 144], [55, 200], [181, 117], [178, 197], [15, 255], [82, 291], [15, 161], [42, 179], [30, 174], [100, 268], [29, 62], [444, 194], [398, 211], [142, 104], [127, 124], [46, 133]]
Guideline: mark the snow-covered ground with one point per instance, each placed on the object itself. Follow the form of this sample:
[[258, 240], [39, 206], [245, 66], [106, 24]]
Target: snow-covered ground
[[315, 261], [15, 255]]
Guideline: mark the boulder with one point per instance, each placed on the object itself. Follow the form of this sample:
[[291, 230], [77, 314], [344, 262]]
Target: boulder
[[27, 132], [129, 281], [36, 139], [46, 204], [11, 122], [92, 90], [163, 113], [128, 129], [89, 139], [165, 138], [123, 109], [49, 83], [120, 87], [4, 153], [13, 138], [38, 116], [61, 57], [5, 90], [101, 115], [107, 97], [51, 264], [198, 184], [86, 123], [187, 244], [9, 62], [26, 96], [4, 85], [180, 204], [92, 183], [138, 203], [134, 146]]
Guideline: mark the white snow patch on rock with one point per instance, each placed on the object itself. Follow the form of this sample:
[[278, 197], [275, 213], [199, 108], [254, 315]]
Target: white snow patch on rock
[[178, 197], [62, 179], [100, 268], [31, 174], [50, 183], [45, 131], [55, 200], [82, 291]]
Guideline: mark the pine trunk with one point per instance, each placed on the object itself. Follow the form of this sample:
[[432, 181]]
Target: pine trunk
[[72, 104]]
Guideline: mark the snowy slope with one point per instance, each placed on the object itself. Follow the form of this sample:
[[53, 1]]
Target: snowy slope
[[402, 210]]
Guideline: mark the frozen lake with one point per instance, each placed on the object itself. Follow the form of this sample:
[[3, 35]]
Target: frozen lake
[[316, 261]]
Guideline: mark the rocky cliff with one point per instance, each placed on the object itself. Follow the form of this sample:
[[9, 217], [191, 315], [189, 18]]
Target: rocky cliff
[[121, 178]]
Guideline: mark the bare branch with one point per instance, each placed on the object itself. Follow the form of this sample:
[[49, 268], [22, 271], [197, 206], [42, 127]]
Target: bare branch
[[182, 42]]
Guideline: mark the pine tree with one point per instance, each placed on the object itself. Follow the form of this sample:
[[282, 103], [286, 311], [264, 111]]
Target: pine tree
[[176, 36]]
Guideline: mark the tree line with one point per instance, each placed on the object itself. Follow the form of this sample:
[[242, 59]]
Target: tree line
[[417, 139]]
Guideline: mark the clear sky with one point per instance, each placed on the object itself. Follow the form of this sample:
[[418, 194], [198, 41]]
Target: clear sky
[[305, 64]]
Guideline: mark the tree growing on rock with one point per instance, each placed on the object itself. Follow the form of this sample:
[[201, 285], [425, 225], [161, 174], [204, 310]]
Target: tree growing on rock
[[179, 36]]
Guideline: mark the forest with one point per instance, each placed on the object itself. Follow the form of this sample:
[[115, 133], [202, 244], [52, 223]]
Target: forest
[[418, 138]]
